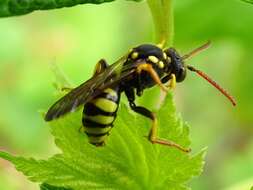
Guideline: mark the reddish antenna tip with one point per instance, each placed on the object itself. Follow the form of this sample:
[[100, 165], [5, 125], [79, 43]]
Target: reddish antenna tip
[[218, 87]]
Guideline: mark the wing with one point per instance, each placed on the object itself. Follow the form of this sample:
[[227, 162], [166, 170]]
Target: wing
[[91, 88]]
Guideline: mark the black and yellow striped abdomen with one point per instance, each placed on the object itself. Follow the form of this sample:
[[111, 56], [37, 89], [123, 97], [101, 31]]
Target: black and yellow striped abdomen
[[99, 115]]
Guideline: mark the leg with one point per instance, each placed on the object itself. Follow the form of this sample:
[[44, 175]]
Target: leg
[[172, 81], [147, 67], [66, 89], [153, 131], [152, 137], [100, 67], [62, 88]]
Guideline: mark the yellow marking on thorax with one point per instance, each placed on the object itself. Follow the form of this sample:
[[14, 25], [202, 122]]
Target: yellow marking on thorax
[[105, 104], [153, 59], [134, 55], [111, 91], [164, 55], [130, 50], [169, 59], [104, 120], [161, 64]]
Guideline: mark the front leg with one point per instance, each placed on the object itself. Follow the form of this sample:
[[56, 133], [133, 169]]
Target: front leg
[[66, 89], [172, 81], [153, 136], [148, 68]]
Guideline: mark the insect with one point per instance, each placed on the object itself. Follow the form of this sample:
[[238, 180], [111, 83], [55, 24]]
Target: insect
[[143, 67]]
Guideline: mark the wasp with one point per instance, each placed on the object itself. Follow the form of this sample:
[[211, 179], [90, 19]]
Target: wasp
[[142, 67]]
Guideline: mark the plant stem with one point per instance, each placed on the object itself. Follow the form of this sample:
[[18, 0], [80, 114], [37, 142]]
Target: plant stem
[[162, 13]]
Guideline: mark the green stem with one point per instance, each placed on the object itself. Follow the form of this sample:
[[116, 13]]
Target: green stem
[[162, 13]]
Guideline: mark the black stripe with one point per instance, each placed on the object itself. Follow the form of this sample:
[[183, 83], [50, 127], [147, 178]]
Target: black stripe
[[91, 109], [108, 96], [95, 134], [88, 123]]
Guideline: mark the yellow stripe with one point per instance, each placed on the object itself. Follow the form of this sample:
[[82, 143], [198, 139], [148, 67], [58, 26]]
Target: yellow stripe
[[97, 130], [105, 120], [105, 104], [111, 91]]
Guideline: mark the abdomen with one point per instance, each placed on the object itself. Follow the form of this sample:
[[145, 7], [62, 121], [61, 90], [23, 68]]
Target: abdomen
[[99, 115]]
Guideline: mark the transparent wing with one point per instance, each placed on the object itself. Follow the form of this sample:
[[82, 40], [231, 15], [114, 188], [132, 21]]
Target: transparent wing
[[91, 88]]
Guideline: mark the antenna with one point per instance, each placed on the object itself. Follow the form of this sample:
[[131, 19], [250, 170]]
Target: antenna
[[197, 50], [206, 77]]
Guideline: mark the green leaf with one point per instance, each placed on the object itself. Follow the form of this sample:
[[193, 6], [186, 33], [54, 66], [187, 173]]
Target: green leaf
[[248, 1], [21, 7], [128, 161], [162, 12]]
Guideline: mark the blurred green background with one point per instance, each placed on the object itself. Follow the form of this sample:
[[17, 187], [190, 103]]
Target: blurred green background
[[76, 38]]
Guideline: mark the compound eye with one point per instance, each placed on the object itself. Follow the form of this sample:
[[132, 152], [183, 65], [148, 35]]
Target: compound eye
[[181, 75]]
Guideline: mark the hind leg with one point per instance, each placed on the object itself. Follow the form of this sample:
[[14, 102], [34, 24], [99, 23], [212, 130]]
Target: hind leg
[[100, 67], [153, 136]]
